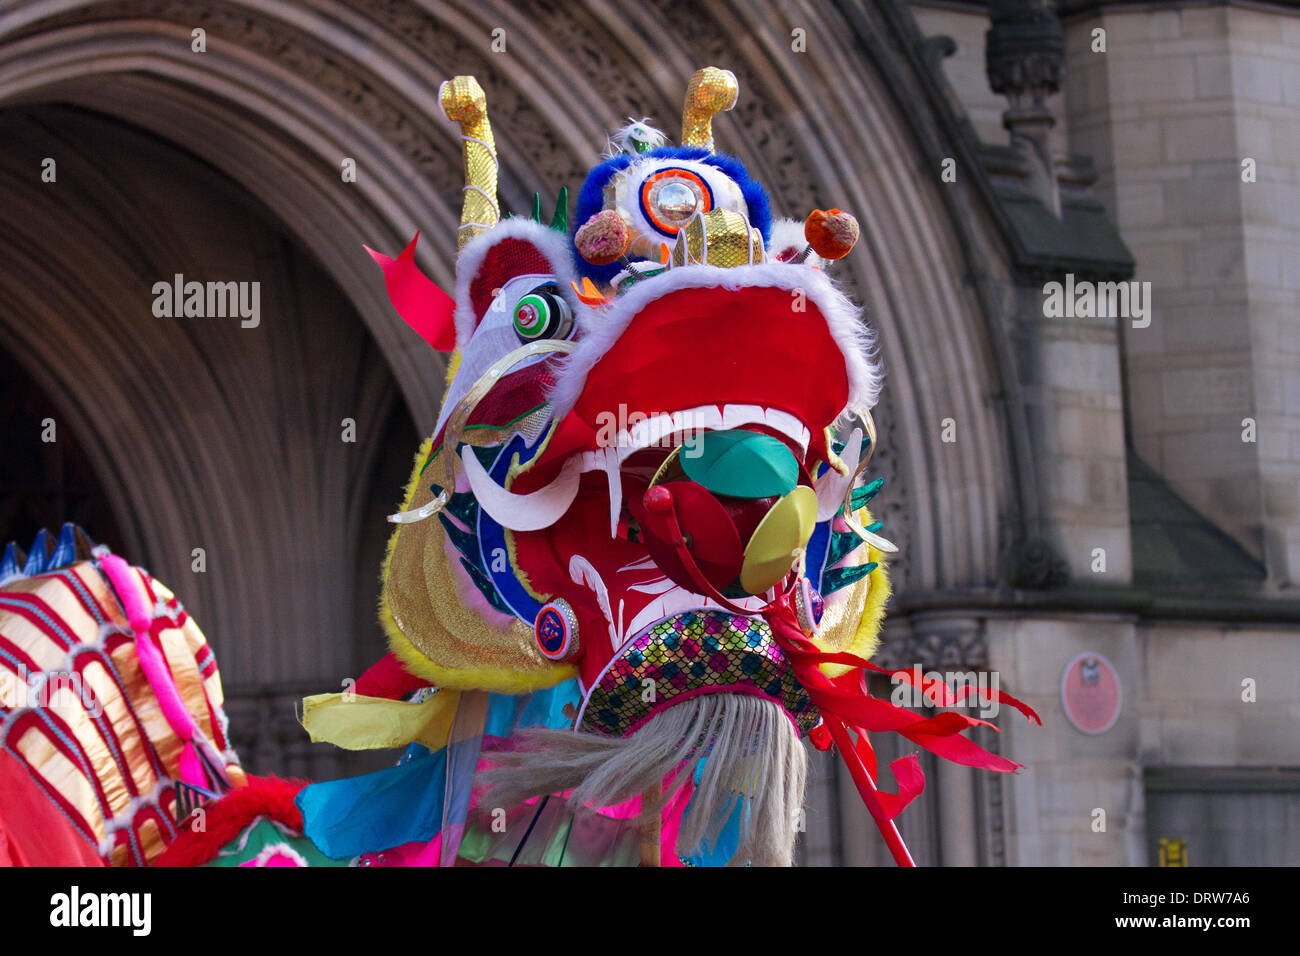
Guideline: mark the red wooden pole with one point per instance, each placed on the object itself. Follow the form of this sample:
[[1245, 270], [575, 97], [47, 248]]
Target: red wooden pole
[[867, 787]]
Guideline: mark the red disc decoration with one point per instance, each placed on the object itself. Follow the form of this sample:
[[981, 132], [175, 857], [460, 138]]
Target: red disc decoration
[[711, 535]]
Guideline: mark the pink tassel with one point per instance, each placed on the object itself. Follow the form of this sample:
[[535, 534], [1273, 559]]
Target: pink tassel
[[191, 767]]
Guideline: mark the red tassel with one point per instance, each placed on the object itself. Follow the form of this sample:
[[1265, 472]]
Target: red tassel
[[846, 698], [939, 694], [870, 795]]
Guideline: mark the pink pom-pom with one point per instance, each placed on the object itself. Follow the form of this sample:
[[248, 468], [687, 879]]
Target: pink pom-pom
[[603, 238]]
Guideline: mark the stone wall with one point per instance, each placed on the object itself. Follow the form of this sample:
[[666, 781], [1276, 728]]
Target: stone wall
[[1185, 707], [1172, 108]]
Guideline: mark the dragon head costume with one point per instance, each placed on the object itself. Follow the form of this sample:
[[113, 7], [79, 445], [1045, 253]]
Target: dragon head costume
[[634, 565], [633, 571]]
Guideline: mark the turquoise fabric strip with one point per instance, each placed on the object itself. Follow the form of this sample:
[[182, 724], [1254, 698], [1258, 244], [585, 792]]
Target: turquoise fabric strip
[[405, 803], [724, 848], [387, 808]]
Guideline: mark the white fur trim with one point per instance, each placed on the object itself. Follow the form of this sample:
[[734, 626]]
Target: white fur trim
[[265, 854], [599, 329], [621, 141], [554, 246], [788, 234]]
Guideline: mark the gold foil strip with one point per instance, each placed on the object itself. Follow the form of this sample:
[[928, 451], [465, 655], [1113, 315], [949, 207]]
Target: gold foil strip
[[427, 607], [454, 433], [720, 237], [850, 516], [711, 91], [464, 103]]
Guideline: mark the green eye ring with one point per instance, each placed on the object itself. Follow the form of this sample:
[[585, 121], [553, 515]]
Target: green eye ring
[[542, 314], [532, 315]]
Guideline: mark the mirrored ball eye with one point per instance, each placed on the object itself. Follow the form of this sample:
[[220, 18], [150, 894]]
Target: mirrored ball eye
[[677, 202], [671, 197]]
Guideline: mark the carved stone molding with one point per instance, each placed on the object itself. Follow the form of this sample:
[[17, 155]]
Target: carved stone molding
[[1024, 51], [790, 127], [942, 643], [1034, 565], [990, 806]]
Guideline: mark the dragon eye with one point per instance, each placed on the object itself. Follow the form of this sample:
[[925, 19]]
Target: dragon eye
[[672, 196], [543, 314]]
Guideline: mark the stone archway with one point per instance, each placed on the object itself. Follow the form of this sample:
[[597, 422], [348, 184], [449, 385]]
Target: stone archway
[[286, 91], [221, 449]]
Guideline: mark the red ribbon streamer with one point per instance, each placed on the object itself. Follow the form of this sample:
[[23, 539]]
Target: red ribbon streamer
[[417, 298], [844, 702], [845, 697]]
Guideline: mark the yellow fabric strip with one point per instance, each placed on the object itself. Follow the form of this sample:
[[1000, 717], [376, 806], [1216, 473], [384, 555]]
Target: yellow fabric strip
[[354, 722]]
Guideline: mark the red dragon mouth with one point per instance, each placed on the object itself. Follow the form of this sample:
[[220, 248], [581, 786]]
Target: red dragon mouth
[[764, 359], [750, 348]]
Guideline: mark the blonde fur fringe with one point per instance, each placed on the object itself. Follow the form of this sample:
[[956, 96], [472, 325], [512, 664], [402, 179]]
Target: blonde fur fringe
[[753, 752]]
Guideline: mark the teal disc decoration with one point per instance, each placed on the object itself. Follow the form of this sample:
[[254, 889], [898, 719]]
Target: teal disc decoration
[[742, 464]]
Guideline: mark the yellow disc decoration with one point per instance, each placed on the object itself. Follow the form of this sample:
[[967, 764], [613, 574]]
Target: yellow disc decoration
[[779, 540]]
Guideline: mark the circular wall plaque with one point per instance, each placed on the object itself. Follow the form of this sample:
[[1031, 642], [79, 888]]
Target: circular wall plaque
[[1091, 693]]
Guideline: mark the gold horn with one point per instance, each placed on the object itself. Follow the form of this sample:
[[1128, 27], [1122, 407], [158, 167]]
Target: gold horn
[[711, 91], [464, 103]]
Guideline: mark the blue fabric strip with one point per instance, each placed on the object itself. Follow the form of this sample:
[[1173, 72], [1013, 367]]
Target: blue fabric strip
[[720, 852], [545, 708], [404, 804], [379, 810]]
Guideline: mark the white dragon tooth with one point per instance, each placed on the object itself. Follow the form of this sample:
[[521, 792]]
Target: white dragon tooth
[[615, 481], [649, 430], [787, 425], [734, 416], [706, 416], [649, 433], [530, 512], [832, 486]]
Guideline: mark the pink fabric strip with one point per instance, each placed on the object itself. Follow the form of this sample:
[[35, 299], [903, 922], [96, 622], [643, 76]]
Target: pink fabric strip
[[130, 591]]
